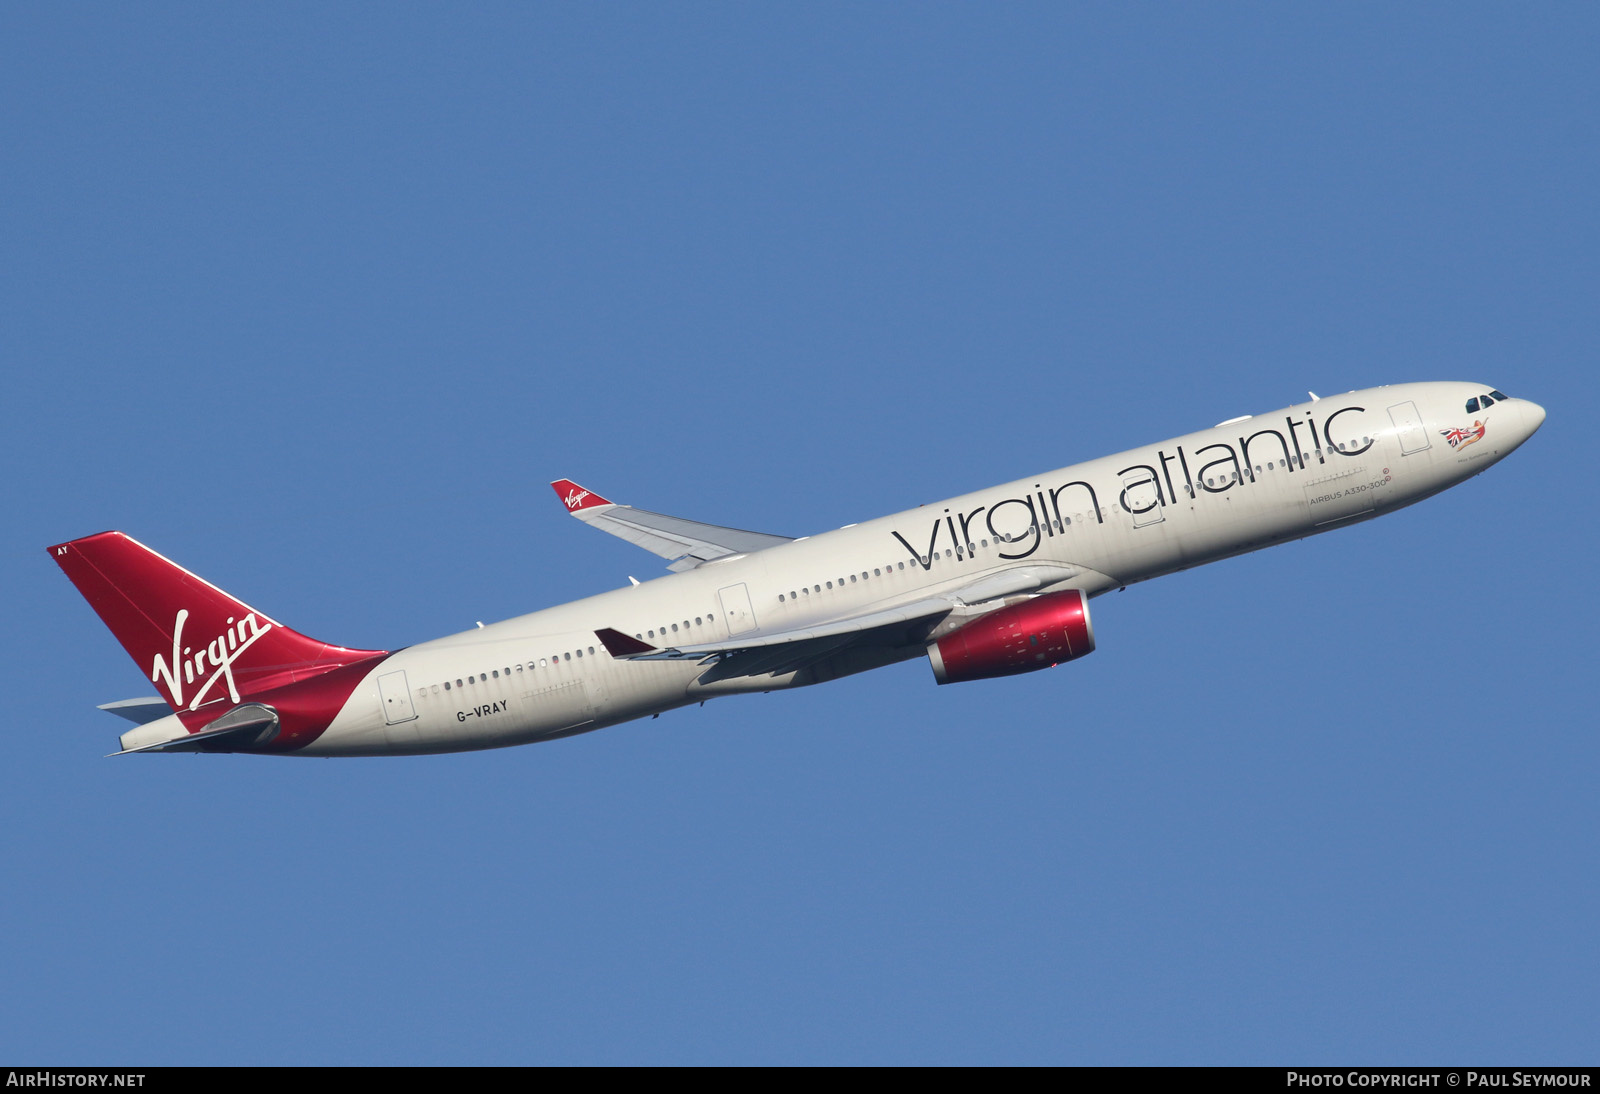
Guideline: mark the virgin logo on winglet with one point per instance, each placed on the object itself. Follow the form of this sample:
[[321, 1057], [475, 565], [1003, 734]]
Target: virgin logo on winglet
[[218, 655], [575, 497]]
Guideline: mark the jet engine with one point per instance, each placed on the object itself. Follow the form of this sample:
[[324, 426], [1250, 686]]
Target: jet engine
[[1034, 634]]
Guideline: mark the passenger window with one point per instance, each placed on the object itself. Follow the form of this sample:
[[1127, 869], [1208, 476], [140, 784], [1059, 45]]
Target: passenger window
[[674, 628], [447, 685], [543, 662], [568, 656], [852, 579], [877, 573], [780, 598], [497, 674], [697, 618]]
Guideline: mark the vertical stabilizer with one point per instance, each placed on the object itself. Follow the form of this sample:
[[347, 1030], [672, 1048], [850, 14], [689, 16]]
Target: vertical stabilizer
[[193, 641]]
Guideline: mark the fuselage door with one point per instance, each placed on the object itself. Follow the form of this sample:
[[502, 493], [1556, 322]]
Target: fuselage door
[[736, 609], [1413, 434], [1142, 497], [396, 698]]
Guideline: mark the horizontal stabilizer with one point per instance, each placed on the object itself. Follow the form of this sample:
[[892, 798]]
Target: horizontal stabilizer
[[142, 711], [688, 543], [249, 724]]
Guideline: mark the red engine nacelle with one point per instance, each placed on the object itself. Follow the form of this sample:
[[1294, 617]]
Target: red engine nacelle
[[1035, 634]]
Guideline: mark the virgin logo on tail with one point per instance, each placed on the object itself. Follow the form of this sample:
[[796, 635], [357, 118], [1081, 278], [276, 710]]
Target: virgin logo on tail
[[575, 498], [218, 655]]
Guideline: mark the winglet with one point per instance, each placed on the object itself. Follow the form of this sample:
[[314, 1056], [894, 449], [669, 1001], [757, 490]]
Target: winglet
[[575, 497], [618, 644]]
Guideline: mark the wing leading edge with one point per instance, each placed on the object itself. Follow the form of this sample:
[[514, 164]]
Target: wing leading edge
[[688, 543]]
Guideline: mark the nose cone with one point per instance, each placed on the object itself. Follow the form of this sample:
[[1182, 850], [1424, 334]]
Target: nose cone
[[1532, 417]]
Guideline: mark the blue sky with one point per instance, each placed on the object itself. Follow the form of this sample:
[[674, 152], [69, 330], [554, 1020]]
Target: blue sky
[[316, 300]]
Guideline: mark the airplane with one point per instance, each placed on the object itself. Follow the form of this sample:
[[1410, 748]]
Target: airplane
[[987, 584]]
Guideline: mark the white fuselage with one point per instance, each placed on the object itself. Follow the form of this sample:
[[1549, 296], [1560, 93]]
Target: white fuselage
[[1093, 526]]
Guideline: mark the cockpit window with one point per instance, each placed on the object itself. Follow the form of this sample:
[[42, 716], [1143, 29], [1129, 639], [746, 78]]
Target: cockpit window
[[1485, 401]]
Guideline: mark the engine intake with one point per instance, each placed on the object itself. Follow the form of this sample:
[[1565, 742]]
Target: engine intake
[[1035, 634]]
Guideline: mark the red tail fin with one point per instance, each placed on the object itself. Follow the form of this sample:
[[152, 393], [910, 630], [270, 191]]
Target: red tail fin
[[195, 642]]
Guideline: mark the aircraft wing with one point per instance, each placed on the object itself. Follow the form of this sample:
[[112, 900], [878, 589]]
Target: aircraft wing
[[787, 650], [687, 542]]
